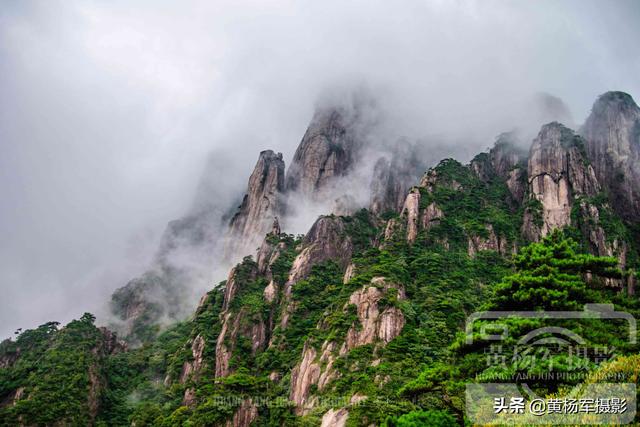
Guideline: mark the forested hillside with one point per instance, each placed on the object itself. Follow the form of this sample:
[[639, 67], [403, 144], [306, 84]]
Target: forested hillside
[[361, 321]]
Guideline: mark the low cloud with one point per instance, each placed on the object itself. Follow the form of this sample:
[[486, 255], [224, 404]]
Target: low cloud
[[110, 112]]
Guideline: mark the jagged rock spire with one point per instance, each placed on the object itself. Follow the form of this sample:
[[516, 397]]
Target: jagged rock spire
[[327, 151], [507, 160], [558, 170], [260, 205], [612, 133]]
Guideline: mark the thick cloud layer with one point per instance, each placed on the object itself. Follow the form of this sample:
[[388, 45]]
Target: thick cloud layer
[[110, 110]]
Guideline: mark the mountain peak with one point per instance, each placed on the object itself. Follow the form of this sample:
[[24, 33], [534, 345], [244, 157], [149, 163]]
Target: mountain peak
[[326, 151], [260, 205], [614, 100], [612, 133]]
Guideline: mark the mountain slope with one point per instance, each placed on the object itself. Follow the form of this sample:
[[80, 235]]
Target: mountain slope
[[359, 319]]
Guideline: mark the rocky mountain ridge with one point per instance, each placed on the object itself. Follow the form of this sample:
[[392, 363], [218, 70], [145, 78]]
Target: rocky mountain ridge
[[553, 185], [362, 302], [328, 152]]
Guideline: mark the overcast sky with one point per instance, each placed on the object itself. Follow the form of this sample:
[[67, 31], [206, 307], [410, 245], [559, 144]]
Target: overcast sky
[[108, 110]]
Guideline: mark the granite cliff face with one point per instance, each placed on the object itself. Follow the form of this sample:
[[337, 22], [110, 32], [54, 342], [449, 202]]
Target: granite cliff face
[[558, 171], [375, 324], [325, 240], [612, 134], [327, 151], [260, 205], [354, 309]]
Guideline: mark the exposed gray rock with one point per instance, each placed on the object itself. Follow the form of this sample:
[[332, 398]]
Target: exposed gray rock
[[490, 242], [261, 204], [270, 292], [506, 154], [412, 218], [327, 239], [303, 376], [431, 216], [505, 160], [349, 273], [517, 183], [612, 134], [230, 325], [390, 230], [335, 418], [269, 251], [411, 211], [327, 151], [244, 415], [193, 367], [374, 322], [557, 171]]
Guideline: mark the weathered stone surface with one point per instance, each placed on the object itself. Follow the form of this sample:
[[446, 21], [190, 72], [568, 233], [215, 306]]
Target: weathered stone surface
[[429, 180], [327, 358], [7, 360], [244, 415], [270, 292], [258, 336], [268, 251], [274, 376], [234, 325], [231, 287], [411, 211], [491, 242], [375, 323], [557, 171], [310, 371], [612, 134], [431, 216], [335, 418], [517, 183], [506, 155], [141, 298], [593, 231], [223, 353], [305, 374], [389, 231], [349, 273], [261, 204], [413, 220], [325, 240], [194, 366], [110, 342], [106, 346], [189, 398], [327, 151], [255, 329]]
